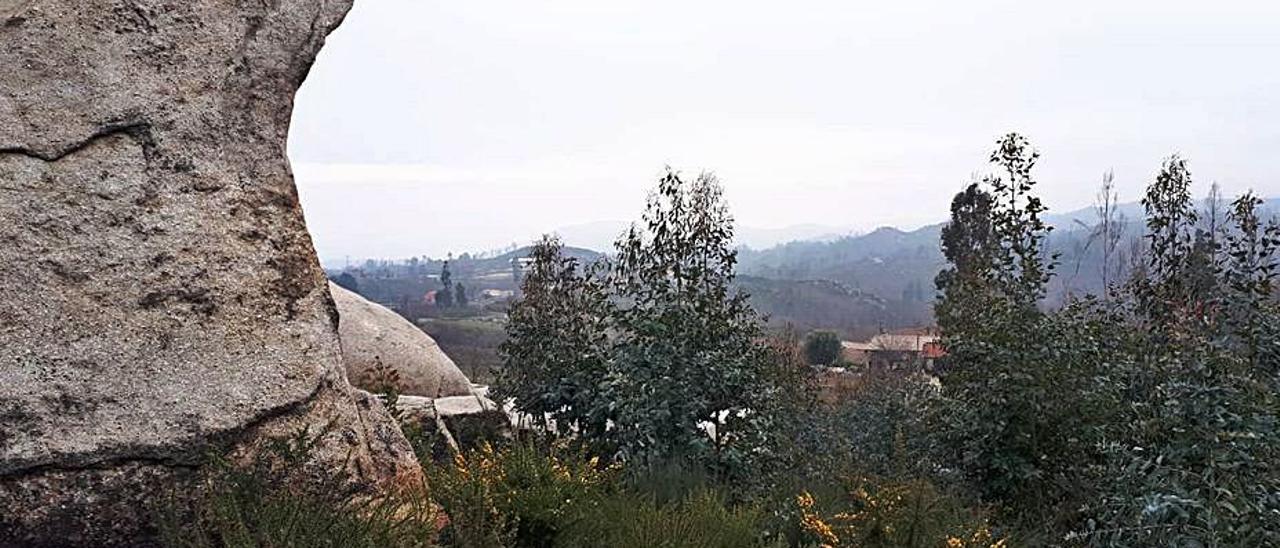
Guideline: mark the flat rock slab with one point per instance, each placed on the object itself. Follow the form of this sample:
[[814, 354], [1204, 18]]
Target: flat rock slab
[[459, 422]]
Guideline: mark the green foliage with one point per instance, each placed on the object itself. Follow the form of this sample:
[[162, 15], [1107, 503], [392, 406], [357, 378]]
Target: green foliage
[[969, 243], [703, 519], [881, 428], [1166, 288], [460, 294], [1198, 464], [1018, 382], [1197, 459], [822, 348], [879, 513], [269, 502], [444, 296], [524, 495], [555, 357], [1022, 271], [687, 353], [1021, 408], [1147, 419], [348, 281], [654, 344], [530, 495], [1249, 271]]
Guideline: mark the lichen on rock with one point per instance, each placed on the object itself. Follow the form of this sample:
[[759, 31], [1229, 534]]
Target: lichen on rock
[[161, 295]]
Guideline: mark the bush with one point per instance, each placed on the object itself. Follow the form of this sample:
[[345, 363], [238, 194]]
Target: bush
[[879, 513], [519, 496], [261, 504], [822, 348], [702, 519], [542, 496]]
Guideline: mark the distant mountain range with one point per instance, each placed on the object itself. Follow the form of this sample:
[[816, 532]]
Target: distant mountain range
[[891, 264], [855, 283], [826, 304], [602, 234]]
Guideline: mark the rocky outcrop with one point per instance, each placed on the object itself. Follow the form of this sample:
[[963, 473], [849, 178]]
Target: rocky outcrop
[[161, 297], [457, 422], [377, 341]]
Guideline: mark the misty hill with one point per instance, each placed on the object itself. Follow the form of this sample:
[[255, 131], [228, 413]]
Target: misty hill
[[888, 263], [603, 234], [896, 265], [884, 278], [824, 304]]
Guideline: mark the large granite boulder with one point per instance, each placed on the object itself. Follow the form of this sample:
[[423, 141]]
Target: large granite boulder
[[161, 298], [377, 341]]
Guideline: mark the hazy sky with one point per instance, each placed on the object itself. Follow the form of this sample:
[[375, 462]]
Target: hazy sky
[[430, 126]]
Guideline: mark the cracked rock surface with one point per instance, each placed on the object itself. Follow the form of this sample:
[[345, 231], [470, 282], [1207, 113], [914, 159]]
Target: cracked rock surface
[[161, 298]]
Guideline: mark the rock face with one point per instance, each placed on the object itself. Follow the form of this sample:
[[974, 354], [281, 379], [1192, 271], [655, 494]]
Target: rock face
[[457, 422], [372, 335], [161, 297]]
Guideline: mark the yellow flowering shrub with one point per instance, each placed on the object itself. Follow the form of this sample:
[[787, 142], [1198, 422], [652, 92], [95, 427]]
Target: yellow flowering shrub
[[494, 497], [892, 513]]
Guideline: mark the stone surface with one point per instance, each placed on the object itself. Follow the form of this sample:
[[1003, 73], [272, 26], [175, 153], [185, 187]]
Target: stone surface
[[372, 335], [161, 297], [447, 407], [459, 422]]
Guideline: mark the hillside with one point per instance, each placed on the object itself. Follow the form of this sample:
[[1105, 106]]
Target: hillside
[[889, 263], [824, 304], [895, 265]]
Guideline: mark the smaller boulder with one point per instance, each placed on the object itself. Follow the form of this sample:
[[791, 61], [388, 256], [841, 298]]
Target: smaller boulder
[[377, 341], [456, 422]]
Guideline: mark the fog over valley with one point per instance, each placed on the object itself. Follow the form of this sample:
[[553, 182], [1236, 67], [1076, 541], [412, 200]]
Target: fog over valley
[[431, 127]]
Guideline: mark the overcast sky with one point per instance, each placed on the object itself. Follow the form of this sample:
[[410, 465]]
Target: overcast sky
[[429, 126]]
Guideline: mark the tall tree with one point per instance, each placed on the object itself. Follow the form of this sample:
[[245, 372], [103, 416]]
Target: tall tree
[[822, 348], [1023, 272], [1249, 269], [690, 353], [555, 357], [970, 247], [460, 294], [656, 344], [1014, 394], [444, 296], [995, 243], [1170, 284], [1108, 230]]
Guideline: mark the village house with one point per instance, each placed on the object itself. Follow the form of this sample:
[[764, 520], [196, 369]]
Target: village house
[[913, 347]]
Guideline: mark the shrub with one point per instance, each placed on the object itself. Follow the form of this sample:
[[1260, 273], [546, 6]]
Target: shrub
[[702, 519], [822, 348], [518, 496], [875, 513], [261, 504]]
